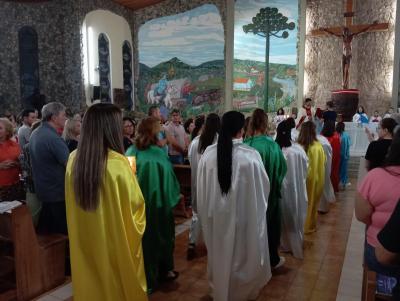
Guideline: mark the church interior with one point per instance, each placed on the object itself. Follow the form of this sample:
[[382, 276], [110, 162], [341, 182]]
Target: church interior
[[186, 64]]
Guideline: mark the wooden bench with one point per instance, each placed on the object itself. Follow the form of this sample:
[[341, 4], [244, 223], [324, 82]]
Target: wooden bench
[[369, 292], [30, 264], [183, 173]]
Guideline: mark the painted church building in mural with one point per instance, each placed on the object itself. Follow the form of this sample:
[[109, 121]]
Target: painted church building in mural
[[250, 57]]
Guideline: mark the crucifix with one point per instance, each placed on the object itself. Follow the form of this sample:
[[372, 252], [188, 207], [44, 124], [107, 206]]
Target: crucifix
[[347, 33]]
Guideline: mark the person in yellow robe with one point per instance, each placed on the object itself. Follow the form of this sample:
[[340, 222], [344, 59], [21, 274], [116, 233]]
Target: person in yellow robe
[[315, 174], [105, 213]]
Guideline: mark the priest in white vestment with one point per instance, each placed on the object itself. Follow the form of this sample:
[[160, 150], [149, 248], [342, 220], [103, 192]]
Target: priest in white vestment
[[232, 195], [328, 195], [294, 192]]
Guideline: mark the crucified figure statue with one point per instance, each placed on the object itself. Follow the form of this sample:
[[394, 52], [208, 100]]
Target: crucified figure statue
[[347, 37]]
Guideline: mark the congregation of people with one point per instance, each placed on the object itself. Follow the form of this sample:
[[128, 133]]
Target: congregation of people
[[258, 187]]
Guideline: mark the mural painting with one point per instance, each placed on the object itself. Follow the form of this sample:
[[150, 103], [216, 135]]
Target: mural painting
[[250, 55], [181, 62]]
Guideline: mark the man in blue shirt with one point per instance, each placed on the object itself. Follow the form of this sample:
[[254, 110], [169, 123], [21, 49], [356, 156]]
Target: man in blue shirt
[[49, 155]]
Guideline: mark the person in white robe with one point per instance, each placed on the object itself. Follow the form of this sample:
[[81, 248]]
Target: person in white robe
[[360, 117], [328, 195], [232, 194], [208, 136], [294, 192]]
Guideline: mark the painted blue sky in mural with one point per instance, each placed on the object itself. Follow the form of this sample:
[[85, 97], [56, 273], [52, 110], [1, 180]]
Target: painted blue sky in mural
[[195, 37], [251, 47]]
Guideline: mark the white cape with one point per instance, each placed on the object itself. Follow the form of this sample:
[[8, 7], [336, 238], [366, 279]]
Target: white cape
[[234, 225], [294, 133], [294, 199], [194, 158], [328, 195]]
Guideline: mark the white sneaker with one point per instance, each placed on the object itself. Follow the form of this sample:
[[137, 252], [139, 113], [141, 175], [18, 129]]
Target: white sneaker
[[281, 262]]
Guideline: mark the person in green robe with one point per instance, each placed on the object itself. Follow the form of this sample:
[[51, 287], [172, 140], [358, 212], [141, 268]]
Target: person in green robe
[[161, 192], [275, 166]]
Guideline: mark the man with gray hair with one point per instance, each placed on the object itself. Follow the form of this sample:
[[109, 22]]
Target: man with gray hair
[[49, 155]]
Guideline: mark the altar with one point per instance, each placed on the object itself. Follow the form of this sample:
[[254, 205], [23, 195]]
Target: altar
[[359, 138]]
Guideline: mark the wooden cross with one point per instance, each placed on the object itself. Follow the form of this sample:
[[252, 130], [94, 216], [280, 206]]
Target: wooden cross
[[348, 17], [347, 33]]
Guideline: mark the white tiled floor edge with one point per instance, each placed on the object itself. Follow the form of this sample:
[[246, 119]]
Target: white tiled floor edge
[[351, 277]]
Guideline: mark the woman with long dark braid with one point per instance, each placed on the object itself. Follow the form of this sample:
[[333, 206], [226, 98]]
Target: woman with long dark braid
[[198, 126], [232, 195]]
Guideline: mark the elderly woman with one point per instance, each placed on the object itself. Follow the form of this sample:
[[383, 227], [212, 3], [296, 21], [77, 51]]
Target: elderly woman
[[72, 130], [10, 186]]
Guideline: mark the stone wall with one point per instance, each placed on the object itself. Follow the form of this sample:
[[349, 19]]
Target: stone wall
[[75, 13], [58, 25], [372, 63], [47, 19]]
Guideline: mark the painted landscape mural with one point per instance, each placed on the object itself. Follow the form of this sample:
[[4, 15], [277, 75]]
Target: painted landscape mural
[[249, 58], [181, 61]]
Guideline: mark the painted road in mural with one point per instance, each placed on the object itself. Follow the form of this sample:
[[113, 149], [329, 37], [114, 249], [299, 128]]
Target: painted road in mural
[[181, 61], [249, 59]]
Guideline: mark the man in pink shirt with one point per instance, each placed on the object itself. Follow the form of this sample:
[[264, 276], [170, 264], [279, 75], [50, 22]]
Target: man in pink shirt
[[177, 138]]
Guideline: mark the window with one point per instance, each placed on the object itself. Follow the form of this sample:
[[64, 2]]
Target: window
[[104, 68], [28, 63], [127, 70]]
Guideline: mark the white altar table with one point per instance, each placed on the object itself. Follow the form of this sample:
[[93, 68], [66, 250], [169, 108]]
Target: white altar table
[[359, 138]]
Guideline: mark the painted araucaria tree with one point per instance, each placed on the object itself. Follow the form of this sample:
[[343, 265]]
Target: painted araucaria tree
[[269, 22]]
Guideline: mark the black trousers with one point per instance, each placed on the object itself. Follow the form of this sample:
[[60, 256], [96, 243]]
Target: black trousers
[[274, 221], [53, 218]]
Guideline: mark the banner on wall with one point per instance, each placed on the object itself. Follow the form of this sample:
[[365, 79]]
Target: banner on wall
[[181, 62], [250, 56]]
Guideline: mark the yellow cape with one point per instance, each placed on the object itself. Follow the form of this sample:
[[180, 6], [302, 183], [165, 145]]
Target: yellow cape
[[106, 244], [315, 184]]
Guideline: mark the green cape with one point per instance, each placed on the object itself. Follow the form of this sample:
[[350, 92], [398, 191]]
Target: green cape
[[161, 191]]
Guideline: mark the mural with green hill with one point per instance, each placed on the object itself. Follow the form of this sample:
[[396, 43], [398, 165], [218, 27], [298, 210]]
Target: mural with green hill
[[181, 62]]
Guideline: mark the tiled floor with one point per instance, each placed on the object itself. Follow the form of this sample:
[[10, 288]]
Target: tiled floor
[[317, 277], [352, 272]]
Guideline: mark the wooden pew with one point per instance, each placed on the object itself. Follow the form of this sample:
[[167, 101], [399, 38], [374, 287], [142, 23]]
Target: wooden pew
[[33, 264], [369, 292], [183, 173]]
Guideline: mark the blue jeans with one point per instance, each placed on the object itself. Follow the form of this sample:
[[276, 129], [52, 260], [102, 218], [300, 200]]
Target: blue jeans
[[176, 159], [344, 179], [374, 265]]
